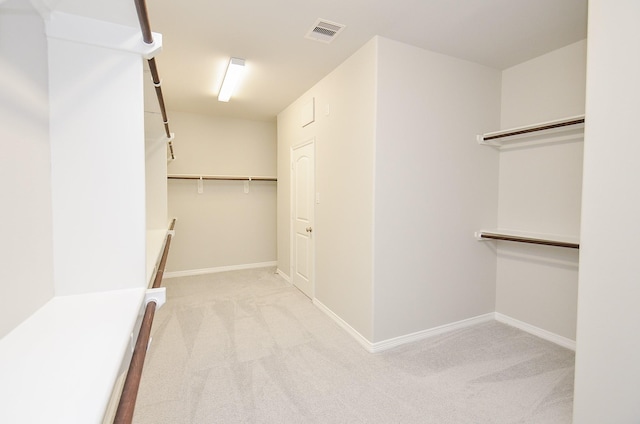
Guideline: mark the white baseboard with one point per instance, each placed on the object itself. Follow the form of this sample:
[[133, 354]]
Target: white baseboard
[[345, 326], [283, 275], [430, 332], [397, 341], [536, 331], [191, 272]]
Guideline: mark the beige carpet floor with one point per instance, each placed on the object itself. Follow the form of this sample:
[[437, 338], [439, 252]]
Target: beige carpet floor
[[246, 347]]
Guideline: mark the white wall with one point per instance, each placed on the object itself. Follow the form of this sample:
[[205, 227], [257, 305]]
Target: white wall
[[403, 186], [223, 226], [26, 268], [608, 347], [344, 139], [540, 187], [548, 87], [97, 162], [434, 187]]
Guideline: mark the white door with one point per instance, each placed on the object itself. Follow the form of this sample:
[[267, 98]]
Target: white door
[[302, 197]]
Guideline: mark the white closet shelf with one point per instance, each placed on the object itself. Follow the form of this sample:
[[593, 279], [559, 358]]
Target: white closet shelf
[[60, 365], [496, 138], [526, 237]]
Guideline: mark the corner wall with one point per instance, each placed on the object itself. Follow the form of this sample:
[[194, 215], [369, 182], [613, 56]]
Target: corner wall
[[434, 187], [540, 188], [344, 133]]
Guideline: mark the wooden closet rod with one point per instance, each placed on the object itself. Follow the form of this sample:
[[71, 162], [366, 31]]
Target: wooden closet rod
[[218, 177], [534, 129], [147, 37], [127, 404], [163, 261], [531, 240], [143, 18]]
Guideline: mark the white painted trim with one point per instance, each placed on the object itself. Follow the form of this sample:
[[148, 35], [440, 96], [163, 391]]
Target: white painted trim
[[192, 272], [420, 335], [345, 326], [283, 275], [401, 340], [536, 331]]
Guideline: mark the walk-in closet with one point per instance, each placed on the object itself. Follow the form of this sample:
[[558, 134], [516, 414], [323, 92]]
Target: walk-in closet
[[406, 211]]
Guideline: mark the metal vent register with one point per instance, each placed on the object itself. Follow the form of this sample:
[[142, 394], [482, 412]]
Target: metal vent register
[[324, 31]]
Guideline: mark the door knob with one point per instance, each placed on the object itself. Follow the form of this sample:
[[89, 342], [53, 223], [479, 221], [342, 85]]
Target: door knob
[[309, 229]]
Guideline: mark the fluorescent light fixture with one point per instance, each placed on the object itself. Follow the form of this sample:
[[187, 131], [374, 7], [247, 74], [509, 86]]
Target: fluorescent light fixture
[[231, 78]]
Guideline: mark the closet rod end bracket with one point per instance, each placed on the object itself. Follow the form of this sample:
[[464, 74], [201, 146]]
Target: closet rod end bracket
[[149, 51], [481, 141], [158, 295], [478, 236]]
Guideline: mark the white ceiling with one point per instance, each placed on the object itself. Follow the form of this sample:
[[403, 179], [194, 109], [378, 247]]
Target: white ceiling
[[199, 36]]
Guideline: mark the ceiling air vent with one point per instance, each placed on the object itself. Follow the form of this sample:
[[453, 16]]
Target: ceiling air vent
[[324, 31]]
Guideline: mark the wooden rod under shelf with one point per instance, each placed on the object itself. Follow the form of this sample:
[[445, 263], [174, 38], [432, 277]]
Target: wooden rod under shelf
[[143, 19], [530, 240], [127, 404], [534, 129], [147, 37], [163, 260], [124, 413]]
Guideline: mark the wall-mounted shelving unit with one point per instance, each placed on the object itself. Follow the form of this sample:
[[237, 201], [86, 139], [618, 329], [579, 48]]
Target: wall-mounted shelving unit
[[550, 131]]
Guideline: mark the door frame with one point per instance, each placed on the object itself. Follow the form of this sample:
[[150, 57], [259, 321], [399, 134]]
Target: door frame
[[292, 230]]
